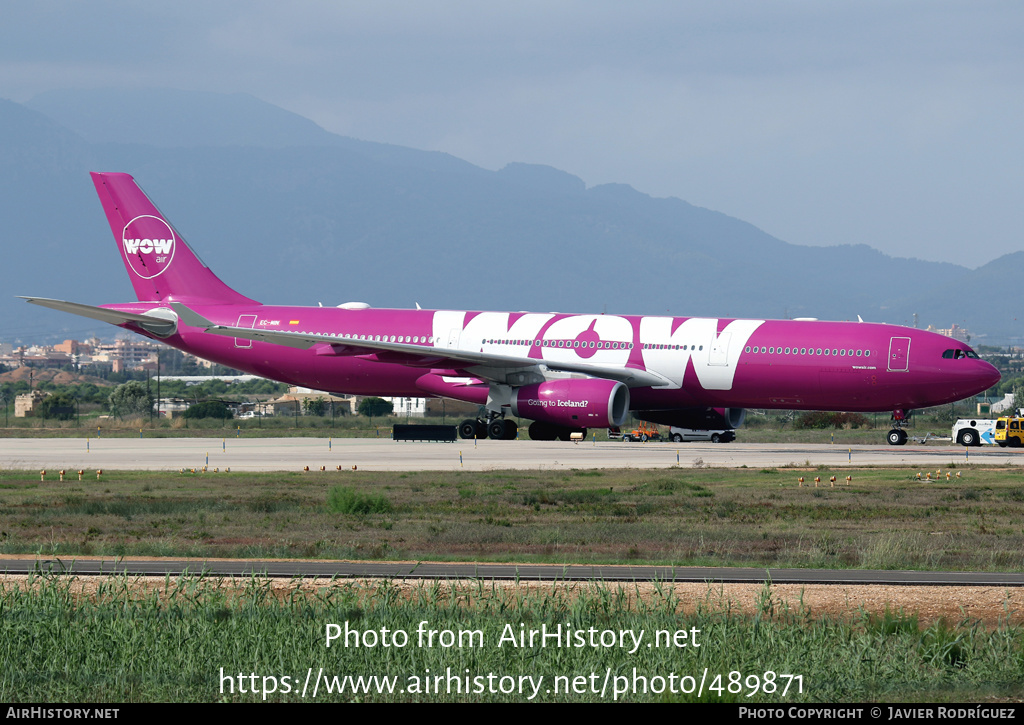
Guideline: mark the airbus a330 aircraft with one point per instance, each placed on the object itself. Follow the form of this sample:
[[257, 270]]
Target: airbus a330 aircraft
[[567, 372]]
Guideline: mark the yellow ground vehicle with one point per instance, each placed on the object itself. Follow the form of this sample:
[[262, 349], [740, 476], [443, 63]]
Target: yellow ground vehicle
[[1009, 431]]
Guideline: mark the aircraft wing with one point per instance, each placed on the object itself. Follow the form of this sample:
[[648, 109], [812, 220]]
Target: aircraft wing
[[411, 354], [152, 323]]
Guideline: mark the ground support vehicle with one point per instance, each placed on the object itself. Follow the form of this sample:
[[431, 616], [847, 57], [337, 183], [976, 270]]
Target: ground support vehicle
[[974, 432], [1009, 431], [680, 435], [642, 433]]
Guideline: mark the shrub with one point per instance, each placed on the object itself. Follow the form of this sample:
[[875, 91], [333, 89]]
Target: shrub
[[345, 500], [208, 409]]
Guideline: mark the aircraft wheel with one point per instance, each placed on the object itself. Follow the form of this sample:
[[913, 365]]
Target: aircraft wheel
[[496, 429], [541, 432], [968, 438], [467, 429], [511, 430], [897, 437]]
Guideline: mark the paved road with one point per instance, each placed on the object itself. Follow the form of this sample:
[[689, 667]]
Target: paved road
[[284, 454], [510, 572]]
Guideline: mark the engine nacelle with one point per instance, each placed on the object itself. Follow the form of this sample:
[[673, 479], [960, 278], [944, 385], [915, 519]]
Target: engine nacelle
[[575, 403], [697, 418]]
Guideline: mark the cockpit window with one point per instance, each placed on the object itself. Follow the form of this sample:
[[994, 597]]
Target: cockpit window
[[958, 354]]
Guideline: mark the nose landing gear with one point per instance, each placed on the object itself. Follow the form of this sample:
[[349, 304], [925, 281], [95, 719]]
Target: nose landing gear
[[897, 436]]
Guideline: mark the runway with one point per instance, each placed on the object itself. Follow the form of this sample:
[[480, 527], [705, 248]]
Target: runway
[[288, 569], [286, 454]]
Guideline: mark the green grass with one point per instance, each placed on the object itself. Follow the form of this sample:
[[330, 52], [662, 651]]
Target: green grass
[[684, 516], [345, 500], [189, 639]]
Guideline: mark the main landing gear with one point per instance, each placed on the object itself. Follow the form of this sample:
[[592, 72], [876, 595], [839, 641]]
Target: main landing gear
[[495, 428], [897, 436]]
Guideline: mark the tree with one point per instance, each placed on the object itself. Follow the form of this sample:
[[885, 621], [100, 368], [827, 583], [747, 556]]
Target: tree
[[317, 406], [58, 405], [374, 407], [209, 409], [130, 400], [1018, 395]]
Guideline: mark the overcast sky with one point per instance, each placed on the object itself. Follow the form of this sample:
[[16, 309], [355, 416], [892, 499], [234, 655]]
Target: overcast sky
[[894, 124]]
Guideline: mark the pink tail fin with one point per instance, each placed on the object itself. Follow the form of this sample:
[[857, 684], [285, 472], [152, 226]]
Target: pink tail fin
[[160, 263]]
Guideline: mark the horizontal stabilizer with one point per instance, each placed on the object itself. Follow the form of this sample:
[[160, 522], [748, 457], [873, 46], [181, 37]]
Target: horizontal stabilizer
[[158, 325]]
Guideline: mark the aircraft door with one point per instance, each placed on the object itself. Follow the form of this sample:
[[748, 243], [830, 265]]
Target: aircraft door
[[899, 354], [245, 321], [720, 349]]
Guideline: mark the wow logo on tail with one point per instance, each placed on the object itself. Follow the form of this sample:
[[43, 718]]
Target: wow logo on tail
[[148, 245]]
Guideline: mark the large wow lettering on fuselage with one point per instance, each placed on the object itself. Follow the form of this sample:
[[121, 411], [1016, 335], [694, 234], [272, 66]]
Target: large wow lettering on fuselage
[[661, 345]]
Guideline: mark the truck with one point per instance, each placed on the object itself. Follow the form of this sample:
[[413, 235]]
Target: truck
[[1009, 431], [974, 432]]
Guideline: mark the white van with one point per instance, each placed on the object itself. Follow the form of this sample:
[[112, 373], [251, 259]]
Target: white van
[[679, 435]]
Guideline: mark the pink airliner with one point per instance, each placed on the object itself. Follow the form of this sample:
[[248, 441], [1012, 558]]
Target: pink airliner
[[566, 372]]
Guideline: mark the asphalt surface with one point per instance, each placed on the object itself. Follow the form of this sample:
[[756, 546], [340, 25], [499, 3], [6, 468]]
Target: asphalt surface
[[284, 454], [508, 572]]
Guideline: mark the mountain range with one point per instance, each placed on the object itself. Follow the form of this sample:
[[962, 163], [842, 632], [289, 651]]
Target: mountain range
[[287, 212]]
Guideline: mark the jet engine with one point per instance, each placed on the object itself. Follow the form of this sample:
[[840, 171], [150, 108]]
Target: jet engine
[[697, 418], [574, 403]]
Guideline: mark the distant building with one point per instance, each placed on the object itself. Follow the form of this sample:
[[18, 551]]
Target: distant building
[[291, 402], [171, 407], [73, 347], [956, 332], [25, 404], [126, 354], [409, 407]]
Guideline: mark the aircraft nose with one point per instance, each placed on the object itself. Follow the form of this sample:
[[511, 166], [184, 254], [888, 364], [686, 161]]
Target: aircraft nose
[[987, 375]]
